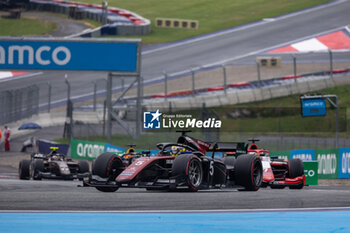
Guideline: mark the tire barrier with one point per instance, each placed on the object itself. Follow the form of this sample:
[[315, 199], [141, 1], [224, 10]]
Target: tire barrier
[[269, 61], [177, 23], [118, 21]]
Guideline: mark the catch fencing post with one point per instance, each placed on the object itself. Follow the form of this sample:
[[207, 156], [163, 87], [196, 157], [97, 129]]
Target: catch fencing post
[[95, 90], [68, 127], [331, 64], [258, 71], [165, 84], [193, 84], [295, 68], [49, 97], [68, 87], [225, 78], [123, 84], [109, 106]]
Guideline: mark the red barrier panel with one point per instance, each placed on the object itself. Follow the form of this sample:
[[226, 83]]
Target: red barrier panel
[[180, 93], [58, 1], [115, 11], [125, 14], [132, 18], [85, 4], [72, 3], [241, 84], [290, 77], [97, 7], [158, 96], [215, 89], [139, 22], [340, 71]]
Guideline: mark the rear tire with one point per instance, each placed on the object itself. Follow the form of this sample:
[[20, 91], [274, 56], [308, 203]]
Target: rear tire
[[248, 172], [295, 169], [107, 165], [189, 168], [84, 167], [23, 169]]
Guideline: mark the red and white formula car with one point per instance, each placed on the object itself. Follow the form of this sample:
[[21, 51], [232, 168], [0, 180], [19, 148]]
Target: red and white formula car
[[279, 173]]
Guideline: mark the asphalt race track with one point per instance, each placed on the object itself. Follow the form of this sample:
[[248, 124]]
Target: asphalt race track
[[53, 195], [239, 44]]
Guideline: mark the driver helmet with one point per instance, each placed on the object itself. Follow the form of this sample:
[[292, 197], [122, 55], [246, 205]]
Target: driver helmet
[[176, 150]]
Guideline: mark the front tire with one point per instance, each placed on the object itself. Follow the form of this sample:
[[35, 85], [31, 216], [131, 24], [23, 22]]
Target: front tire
[[189, 169], [37, 167], [248, 172], [23, 169], [107, 165], [83, 166], [295, 169]]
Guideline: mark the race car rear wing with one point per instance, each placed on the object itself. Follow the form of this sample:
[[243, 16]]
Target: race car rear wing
[[237, 147]]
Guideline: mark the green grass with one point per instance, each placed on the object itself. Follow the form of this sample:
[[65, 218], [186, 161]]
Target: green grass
[[212, 15], [25, 27]]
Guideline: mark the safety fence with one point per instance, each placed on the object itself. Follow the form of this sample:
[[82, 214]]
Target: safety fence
[[18, 104], [251, 74]]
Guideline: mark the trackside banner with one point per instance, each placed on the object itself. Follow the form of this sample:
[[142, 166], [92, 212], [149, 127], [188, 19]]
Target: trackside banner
[[332, 163], [305, 155], [113, 149], [86, 150], [328, 162], [69, 54], [344, 163], [91, 150]]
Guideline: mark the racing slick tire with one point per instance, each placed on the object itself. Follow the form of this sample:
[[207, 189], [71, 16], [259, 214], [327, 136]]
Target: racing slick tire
[[107, 165], [23, 169], [36, 167], [188, 167], [295, 169], [248, 172], [83, 166]]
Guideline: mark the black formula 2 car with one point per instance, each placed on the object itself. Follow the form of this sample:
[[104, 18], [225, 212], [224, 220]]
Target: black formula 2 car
[[191, 169], [52, 166]]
